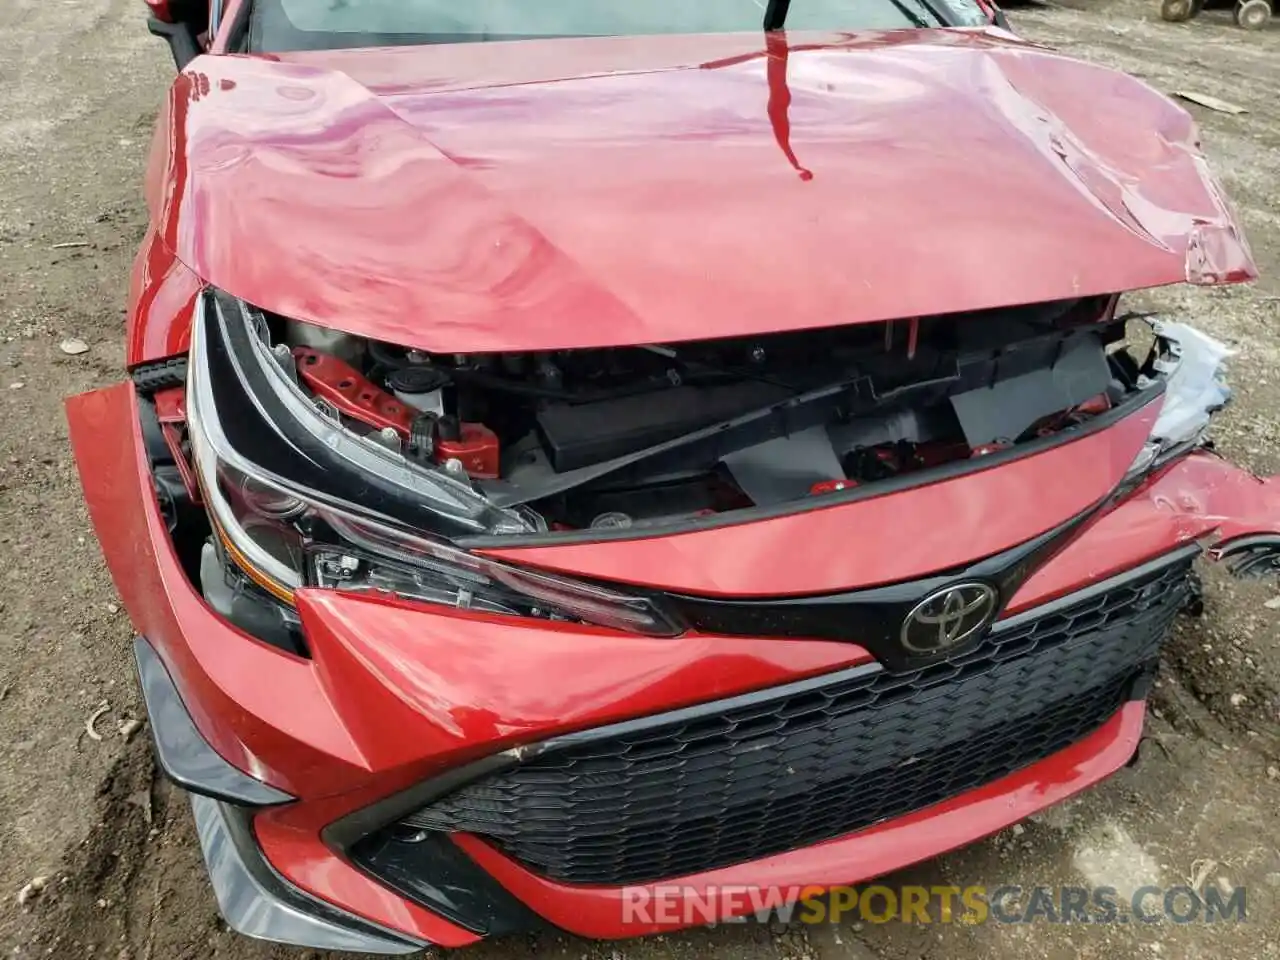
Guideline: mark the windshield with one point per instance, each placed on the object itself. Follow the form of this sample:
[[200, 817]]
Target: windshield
[[322, 24]]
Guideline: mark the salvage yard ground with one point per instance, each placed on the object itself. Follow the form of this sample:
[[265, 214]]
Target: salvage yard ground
[[79, 85]]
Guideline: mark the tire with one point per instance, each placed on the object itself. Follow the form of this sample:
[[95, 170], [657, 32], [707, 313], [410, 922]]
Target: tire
[[1252, 14], [1176, 11]]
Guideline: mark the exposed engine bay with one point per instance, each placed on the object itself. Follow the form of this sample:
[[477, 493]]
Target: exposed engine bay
[[649, 436], [295, 456]]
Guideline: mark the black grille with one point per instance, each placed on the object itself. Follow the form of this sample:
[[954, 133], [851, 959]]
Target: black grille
[[745, 778]]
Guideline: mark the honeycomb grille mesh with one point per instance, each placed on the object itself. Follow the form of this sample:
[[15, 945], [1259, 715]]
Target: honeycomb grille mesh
[[648, 802]]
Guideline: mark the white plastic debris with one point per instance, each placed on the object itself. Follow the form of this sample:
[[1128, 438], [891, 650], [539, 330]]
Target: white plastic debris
[[1195, 388]]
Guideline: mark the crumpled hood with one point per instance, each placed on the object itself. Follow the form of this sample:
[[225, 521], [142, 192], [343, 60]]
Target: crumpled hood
[[579, 193]]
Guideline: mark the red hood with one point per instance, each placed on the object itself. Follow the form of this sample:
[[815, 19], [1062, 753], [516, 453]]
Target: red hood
[[577, 193]]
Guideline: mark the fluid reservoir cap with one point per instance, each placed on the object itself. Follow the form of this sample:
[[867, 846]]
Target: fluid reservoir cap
[[417, 379]]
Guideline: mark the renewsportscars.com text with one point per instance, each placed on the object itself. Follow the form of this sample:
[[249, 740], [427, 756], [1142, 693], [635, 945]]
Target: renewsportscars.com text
[[1008, 903]]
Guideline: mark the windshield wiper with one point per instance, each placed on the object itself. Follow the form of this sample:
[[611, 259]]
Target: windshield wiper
[[775, 15], [915, 18]]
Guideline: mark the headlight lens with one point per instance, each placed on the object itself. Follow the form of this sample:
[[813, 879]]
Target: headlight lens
[[247, 512], [285, 536], [1192, 364]]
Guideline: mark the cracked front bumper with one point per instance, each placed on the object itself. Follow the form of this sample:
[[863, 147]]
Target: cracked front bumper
[[396, 694]]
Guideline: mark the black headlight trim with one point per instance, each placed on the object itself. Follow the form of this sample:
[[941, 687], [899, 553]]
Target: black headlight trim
[[260, 428]]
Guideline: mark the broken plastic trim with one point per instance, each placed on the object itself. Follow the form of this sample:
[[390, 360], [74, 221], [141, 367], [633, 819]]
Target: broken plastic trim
[[1190, 363], [1193, 363], [1251, 557]]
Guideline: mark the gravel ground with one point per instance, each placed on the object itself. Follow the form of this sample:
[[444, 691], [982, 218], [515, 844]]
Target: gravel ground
[[79, 85]]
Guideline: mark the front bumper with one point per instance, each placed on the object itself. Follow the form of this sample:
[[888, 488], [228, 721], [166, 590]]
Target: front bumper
[[764, 773], [258, 902], [309, 738]]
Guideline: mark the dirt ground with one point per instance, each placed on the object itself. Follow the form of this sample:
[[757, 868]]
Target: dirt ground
[[80, 81]]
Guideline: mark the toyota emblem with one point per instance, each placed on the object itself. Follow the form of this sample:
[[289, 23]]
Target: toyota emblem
[[947, 618]]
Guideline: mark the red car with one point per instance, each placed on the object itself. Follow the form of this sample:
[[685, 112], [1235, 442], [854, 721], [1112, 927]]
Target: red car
[[586, 455]]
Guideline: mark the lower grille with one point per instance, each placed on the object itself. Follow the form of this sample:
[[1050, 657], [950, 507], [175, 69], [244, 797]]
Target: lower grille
[[746, 778]]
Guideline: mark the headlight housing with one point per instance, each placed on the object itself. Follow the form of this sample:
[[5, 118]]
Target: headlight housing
[[298, 500]]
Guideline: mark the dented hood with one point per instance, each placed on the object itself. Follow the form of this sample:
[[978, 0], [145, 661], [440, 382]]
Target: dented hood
[[590, 192]]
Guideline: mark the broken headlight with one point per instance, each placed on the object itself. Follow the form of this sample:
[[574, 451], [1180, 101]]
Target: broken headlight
[[1191, 364], [297, 500]]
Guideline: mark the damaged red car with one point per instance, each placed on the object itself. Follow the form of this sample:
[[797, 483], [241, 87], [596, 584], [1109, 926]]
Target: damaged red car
[[587, 453]]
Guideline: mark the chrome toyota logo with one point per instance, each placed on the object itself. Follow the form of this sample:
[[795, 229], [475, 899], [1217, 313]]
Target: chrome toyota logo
[[948, 617]]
